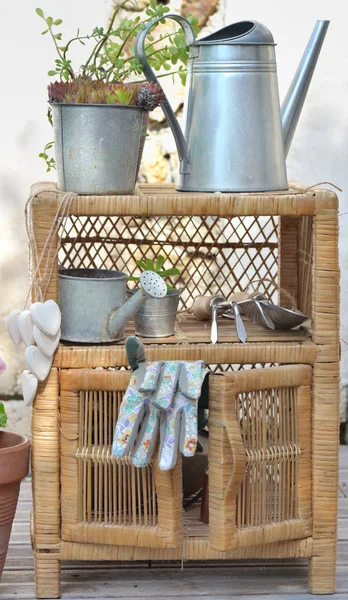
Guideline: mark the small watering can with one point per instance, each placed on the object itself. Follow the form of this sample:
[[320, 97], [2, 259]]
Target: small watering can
[[236, 137]]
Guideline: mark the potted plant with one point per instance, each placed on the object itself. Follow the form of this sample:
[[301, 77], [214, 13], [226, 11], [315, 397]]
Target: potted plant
[[99, 118], [14, 465], [156, 317]]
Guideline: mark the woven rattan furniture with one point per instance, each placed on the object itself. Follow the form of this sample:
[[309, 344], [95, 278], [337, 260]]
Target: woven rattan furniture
[[274, 401]]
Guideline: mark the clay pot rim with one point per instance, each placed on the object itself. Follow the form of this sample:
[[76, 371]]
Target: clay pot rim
[[23, 443]]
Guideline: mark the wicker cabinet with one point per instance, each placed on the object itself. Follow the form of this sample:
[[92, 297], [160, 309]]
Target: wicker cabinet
[[273, 402]]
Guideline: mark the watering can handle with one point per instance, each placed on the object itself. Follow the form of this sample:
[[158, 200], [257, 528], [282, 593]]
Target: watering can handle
[[139, 51]]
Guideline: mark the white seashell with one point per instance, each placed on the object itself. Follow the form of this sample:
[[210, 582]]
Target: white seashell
[[12, 326], [46, 316], [46, 343], [29, 387], [25, 327], [37, 362]]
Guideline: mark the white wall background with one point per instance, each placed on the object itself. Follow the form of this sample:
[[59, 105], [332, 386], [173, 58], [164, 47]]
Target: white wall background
[[319, 151]]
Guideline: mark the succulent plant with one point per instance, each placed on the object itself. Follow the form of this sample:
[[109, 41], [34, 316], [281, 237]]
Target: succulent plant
[[84, 90]]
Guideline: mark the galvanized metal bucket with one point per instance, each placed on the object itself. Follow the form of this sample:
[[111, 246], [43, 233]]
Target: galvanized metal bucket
[[156, 317], [98, 147], [88, 299]]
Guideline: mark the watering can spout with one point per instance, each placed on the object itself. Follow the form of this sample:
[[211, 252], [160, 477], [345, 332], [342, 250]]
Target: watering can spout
[[293, 103]]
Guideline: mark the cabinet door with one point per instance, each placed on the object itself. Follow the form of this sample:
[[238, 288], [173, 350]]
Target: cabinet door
[[106, 500], [259, 456]]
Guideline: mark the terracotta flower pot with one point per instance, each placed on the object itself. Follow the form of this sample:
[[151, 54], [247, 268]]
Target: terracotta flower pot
[[14, 465]]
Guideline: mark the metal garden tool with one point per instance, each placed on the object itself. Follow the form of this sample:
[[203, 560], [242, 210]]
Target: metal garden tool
[[242, 146], [282, 318], [263, 312], [234, 312], [206, 307]]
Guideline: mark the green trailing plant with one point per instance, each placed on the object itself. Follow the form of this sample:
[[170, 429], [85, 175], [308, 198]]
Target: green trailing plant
[[146, 264], [50, 162], [110, 52], [3, 416]]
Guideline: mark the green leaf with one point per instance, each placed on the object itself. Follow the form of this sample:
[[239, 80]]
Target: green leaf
[[3, 416], [40, 12], [52, 73], [57, 22], [141, 264], [149, 264], [169, 272], [49, 21], [159, 263], [44, 32]]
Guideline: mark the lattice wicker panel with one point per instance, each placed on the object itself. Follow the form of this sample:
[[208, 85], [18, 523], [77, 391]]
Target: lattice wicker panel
[[268, 426], [224, 368], [112, 492], [214, 255]]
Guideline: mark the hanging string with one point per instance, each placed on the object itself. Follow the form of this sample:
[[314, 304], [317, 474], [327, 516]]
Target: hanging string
[[41, 267], [323, 183]]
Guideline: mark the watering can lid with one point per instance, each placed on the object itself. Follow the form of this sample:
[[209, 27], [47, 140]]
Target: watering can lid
[[243, 32]]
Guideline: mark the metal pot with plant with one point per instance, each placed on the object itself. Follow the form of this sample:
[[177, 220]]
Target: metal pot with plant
[[14, 466], [156, 317], [100, 118]]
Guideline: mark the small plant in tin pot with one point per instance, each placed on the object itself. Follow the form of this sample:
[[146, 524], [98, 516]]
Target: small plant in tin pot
[[14, 466], [156, 317], [100, 119]]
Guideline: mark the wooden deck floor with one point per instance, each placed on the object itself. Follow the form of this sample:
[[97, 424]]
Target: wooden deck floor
[[263, 580]]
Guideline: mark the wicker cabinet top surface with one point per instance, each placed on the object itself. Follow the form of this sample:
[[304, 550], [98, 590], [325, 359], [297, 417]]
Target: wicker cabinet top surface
[[163, 199]]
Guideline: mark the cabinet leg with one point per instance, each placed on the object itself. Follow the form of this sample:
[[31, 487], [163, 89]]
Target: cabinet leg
[[322, 568], [47, 574]]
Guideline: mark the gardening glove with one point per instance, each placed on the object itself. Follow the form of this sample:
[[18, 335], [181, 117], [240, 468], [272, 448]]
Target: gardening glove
[[162, 395], [178, 422], [135, 410]]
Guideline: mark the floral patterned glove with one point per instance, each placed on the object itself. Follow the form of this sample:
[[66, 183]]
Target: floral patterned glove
[[159, 395], [135, 410], [178, 424], [160, 399]]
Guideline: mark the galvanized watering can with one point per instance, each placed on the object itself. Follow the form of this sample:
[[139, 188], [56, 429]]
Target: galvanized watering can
[[93, 303], [236, 136]]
